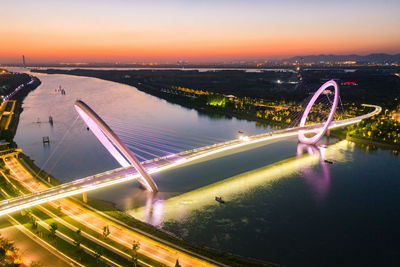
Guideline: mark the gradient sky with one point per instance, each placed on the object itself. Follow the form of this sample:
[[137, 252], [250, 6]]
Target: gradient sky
[[203, 30]]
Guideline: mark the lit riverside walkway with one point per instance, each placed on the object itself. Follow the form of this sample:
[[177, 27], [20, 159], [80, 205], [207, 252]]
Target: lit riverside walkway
[[120, 175], [151, 248]]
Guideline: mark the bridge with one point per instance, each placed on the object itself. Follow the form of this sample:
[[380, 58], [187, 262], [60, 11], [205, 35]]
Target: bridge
[[132, 169]]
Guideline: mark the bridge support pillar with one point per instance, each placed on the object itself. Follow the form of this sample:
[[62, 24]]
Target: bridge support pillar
[[84, 197], [328, 132]]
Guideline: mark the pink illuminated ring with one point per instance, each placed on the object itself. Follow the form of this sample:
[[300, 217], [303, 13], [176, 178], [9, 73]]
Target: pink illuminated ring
[[313, 140]]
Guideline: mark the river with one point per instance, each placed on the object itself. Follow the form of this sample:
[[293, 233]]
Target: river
[[283, 202]]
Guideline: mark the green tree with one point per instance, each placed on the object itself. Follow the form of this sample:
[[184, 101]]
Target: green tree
[[78, 238], [34, 223], [53, 230], [135, 248], [59, 208], [177, 263], [106, 231]]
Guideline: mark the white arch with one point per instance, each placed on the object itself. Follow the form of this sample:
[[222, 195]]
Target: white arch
[[113, 144], [313, 140]]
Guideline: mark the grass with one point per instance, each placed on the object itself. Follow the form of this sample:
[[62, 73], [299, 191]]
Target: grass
[[85, 241], [60, 244], [223, 257], [109, 209], [35, 171]]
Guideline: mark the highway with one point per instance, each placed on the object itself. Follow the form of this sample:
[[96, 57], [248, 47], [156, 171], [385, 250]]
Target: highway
[[149, 245], [121, 175]]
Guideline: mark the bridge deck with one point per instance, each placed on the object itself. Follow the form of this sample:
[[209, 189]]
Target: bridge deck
[[120, 175]]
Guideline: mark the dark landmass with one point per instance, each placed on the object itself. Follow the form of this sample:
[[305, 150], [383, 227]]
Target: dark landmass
[[379, 86], [377, 58], [8, 83], [361, 85], [269, 98], [233, 82], [351, 60]]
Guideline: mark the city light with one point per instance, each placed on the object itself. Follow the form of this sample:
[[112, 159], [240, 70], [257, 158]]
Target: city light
[[121, 175]]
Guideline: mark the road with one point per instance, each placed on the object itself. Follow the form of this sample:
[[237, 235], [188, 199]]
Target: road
[[157, 165], [30, 247], [148, 247]]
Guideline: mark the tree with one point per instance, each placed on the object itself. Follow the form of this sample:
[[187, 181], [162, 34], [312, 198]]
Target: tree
[[106, 231], [59, 208], [78, 238], [177, 263], [53, 230], [34, 223], [135, 248], [77, 244]]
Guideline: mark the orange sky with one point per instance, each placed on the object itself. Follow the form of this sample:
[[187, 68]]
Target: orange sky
[[129, 31]]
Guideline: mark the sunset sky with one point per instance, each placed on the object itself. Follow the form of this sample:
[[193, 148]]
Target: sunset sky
[[203, 30]]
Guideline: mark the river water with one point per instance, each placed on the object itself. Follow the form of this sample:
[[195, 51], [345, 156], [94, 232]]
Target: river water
[[283, 202]]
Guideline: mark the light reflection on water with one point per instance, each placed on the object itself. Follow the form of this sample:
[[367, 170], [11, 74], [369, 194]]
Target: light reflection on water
[[281, 206], [320, 183], [179, 207], [80, 154]]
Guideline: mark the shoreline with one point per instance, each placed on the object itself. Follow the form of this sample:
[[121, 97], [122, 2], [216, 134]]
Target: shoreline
[[123, 219], [190, 103], [9, 134], [362, 141]]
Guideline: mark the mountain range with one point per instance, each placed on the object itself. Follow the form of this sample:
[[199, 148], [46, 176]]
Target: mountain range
[[371, 58]]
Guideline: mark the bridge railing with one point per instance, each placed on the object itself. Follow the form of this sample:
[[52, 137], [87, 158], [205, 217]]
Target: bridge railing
[[124, 174]]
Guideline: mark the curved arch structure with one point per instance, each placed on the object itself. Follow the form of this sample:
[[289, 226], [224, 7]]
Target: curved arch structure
[[113, 144], [313, 140]]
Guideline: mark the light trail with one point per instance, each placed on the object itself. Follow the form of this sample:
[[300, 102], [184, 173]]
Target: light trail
[[155, 165]]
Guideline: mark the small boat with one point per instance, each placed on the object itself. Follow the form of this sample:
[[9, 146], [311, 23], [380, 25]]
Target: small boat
[[240, 132], [328, 161], [220, 200]]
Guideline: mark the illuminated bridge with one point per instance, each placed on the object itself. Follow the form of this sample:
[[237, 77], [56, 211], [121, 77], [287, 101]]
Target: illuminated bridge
[[132, 169]]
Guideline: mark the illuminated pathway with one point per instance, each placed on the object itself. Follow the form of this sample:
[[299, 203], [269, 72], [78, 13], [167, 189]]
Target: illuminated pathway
[[121, 175], [149, 246]]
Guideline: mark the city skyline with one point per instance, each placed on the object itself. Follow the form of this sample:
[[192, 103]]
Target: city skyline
[[132, 31]]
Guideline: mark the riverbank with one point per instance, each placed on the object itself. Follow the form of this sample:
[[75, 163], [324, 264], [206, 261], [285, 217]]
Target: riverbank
[[225, 257], [241, 107], [108, 211], [341, 133], [19, 97]]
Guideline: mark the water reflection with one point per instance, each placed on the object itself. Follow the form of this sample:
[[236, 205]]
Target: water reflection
[[320, 182], [156, 211], [86, 155]]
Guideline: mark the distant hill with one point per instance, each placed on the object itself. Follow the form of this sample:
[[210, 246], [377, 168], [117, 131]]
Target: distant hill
[[372, 58]]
